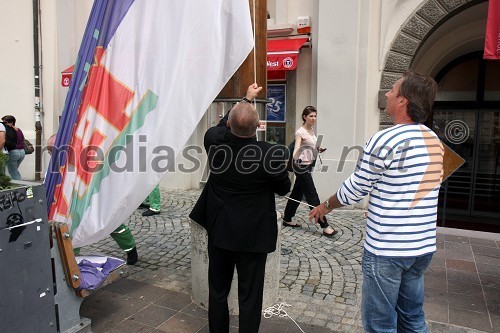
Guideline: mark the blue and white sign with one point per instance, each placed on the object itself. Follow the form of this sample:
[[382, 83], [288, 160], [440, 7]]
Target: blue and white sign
[[275, 109]]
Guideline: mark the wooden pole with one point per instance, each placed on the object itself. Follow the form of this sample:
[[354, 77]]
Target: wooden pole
[[237, 86]]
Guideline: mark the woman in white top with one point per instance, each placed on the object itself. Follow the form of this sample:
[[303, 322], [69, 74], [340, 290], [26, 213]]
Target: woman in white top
[[304, 157]]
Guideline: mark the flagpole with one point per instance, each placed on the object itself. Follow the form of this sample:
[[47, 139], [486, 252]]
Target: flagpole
[[264, 121]]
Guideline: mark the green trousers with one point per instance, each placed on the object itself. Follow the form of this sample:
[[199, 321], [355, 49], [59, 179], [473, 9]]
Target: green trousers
[[123, 236], [153, 200]]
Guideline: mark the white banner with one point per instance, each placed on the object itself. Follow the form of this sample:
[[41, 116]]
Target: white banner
[[145, 94]]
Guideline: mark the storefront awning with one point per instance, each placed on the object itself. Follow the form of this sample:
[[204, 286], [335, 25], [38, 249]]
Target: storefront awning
[[66, 76], [282, 54]]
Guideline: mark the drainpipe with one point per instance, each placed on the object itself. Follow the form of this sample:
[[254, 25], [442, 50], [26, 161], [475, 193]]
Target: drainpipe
[[38, 97]]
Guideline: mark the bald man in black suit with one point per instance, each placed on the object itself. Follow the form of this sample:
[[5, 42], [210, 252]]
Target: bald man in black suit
[[238, 209]]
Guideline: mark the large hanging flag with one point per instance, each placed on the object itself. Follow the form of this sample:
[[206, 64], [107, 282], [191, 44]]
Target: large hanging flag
[[146, 72], [492, 38]]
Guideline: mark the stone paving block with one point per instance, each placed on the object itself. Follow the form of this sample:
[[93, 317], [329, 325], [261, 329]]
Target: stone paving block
[[131, 326], [351, 301], [475, 320], [321, 316], [355, 315], [486, 251], [136, 289], [183, 323], [319, 296], [304, 319], [463, 276], [457, 287], [487, 260], [153, 315], [101, 323], [319, 322], [483, 242], [195, 310], [308, 287], [459, 254], [109, 303], [496, 323], [474, 303], [435, 291], [348, 321], [464, 265], [493, 306], [456, 239], [174, 300], [307, 293]]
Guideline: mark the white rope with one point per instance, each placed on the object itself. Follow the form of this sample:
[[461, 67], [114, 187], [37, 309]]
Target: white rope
[[25, 224], [338, 160], [300, 202], [277, 310], [254, 49]]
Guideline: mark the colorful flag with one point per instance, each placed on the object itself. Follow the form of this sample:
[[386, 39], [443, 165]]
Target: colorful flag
[[492, 38], [146, 72]]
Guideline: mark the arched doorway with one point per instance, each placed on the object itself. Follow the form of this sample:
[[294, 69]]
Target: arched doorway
[[466, 116], [445, 40]]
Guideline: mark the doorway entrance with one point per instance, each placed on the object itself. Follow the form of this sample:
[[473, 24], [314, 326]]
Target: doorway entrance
[[466, 117]]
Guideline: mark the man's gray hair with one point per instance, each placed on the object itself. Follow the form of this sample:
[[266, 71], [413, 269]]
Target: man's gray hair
[[243, 120], [420, 91]]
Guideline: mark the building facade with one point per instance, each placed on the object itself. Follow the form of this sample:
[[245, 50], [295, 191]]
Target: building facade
[[355, 51]]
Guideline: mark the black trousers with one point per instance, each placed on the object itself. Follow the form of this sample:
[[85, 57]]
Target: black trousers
[[251, 271], [303, 187]]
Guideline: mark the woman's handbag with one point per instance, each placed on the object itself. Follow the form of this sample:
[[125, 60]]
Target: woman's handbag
[[28, 147]]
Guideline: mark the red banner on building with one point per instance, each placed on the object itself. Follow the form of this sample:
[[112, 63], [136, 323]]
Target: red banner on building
[[282, 62], [66, 76], [492, 40], [282, 54]]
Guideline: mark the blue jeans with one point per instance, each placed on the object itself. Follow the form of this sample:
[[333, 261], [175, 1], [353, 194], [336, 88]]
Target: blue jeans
[[393, 293], [16, 156]]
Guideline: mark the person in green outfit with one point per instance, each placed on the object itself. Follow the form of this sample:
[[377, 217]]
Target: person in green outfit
[[152, 202], [122, 235]]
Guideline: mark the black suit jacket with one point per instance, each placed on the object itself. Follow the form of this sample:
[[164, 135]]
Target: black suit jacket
[[237, 205]]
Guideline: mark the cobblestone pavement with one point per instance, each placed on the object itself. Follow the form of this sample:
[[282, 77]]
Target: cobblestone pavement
[[320, 276]]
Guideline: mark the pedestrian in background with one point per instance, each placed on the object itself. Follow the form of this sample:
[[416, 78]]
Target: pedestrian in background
[[304, 157], [401, 169], [152, 202], [16, 155]]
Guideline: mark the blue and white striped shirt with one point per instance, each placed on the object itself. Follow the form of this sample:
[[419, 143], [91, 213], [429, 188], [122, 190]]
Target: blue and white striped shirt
[[401, 168]]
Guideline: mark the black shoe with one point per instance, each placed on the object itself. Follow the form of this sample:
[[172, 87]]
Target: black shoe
[[290, 224], [132, 256], [150, 212], [333, 233]]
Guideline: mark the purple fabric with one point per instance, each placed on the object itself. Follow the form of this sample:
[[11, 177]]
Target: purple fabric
[[20, 139], [91, 277]]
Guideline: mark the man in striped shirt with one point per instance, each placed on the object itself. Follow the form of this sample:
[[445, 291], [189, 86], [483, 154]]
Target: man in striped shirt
[[401, 169]]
